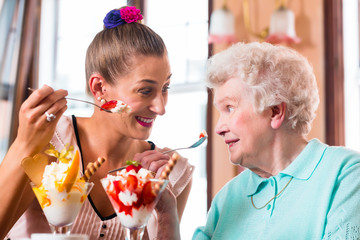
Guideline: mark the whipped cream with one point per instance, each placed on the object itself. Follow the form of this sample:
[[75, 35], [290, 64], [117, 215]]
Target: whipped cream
[[121, 107]]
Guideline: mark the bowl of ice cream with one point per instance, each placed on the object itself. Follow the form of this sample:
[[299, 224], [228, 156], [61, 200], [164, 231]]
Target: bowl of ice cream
[[133, 193]]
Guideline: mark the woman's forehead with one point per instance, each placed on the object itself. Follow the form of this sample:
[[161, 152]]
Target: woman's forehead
[[232, 90]]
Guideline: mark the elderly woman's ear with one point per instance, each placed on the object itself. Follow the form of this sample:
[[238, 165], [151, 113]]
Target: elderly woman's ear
[[278, 115]]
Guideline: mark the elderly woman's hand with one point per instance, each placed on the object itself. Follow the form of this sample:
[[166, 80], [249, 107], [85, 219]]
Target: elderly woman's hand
[[38, 118], [168, 218], [153, 160]]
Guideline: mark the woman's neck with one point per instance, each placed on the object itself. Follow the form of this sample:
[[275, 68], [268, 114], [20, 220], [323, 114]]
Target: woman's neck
[[283, 151], [98, 140]]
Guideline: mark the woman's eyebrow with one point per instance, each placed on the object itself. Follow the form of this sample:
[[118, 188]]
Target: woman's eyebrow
[[153, 81], [225, 99]]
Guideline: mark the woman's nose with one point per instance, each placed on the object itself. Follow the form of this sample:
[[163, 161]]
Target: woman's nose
[[221, 128], [158, 105]]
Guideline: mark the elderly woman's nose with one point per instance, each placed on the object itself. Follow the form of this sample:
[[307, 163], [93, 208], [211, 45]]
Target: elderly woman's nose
[[221, 128]]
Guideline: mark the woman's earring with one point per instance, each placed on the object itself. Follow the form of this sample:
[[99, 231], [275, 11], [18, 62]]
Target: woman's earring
[[103, 101]]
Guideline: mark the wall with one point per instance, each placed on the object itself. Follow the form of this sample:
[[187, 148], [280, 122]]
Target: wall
[[310, 28]]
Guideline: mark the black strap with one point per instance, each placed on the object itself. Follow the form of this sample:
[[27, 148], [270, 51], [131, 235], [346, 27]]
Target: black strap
[[152, 145], [82, 162]]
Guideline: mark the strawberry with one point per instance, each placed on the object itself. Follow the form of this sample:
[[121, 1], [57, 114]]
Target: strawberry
[[131, 183], [119, 186], [203, 134], [109, 105], [133, 165], [113, 190], [148, 194]]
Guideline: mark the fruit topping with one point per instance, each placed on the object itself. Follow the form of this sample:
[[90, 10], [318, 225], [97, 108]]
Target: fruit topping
[[72, 174]]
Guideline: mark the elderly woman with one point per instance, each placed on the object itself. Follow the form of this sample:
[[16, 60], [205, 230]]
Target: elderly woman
[[292, 188]]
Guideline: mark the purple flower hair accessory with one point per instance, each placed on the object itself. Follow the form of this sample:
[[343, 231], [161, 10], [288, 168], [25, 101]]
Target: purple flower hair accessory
[[118, 17]]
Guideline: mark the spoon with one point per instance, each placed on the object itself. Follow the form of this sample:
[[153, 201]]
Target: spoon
[[196, 144], [79, 100]]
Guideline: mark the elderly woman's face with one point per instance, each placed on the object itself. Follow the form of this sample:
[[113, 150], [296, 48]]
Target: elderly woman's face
[[246, 132]]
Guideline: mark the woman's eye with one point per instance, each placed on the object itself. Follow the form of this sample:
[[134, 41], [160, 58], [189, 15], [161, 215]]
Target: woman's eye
[[145, 91], [166, 88], [229, 109]]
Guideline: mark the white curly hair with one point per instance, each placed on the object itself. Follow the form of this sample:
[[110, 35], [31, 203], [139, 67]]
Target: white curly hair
[[274, 74]]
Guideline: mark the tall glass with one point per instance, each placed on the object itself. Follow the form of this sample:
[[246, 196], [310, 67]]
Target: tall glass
[[62, 207], [133, 206]]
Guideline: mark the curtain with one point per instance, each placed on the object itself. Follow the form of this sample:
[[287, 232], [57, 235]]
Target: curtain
[[19, 51]]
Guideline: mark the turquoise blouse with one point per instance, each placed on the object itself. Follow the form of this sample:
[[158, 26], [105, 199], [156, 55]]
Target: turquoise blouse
[[322, 201]]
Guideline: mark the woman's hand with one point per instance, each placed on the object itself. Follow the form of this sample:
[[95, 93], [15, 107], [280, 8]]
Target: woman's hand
[[153, 160], [35, 131], [167, 216]]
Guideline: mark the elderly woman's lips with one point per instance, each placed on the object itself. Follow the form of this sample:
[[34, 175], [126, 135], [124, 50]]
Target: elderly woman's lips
[[231, 142]]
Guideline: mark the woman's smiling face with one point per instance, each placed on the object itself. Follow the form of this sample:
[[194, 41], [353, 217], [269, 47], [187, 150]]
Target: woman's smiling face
[[246, 132], [145, 89]]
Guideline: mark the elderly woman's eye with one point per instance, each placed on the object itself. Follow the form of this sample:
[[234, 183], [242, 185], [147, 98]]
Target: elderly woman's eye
[[230, 108]]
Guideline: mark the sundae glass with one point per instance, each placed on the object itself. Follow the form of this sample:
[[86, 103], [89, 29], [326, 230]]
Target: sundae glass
[[58, 186], [133, 193], [60, 206]]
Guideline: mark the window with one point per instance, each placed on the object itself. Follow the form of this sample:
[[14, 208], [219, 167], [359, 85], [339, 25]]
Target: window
[[68, 31], [351, 73], [185, 31], [11, 16]]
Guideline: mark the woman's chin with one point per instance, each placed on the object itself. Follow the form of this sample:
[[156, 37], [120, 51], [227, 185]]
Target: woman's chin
[[144, 135]]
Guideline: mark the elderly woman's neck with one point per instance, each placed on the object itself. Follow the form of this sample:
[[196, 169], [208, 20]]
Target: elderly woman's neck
[[284, 152]]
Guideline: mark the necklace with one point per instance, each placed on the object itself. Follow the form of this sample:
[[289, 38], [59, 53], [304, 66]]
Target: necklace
[[252, 201]]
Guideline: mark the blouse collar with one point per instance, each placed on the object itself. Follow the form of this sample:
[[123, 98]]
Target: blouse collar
[[301, 168]]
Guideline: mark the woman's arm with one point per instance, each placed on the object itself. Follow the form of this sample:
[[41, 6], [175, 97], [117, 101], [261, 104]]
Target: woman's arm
[[34, 133], [182, 199], [167, 217], [155, 161]]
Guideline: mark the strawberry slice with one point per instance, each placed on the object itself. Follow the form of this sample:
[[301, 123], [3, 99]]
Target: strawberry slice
[[203, 134], [109, 105], [131, 167], [148, 194], [119, 186], [131, 183], [112, 191]]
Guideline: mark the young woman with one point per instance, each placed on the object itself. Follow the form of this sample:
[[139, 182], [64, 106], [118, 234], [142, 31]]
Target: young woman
[[126, 61]]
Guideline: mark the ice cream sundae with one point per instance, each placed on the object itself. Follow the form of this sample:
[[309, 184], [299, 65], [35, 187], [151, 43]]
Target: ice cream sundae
[[116, 106], [60, 190], [132, 194]]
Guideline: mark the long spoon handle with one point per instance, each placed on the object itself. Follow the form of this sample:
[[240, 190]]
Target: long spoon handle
[[79, 100], [196, 144]]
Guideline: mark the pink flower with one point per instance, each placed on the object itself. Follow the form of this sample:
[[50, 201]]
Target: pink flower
[[130, 14]]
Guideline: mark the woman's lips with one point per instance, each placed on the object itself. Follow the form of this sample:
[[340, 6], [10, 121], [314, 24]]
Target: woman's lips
[[230, 143], [145, 122]]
